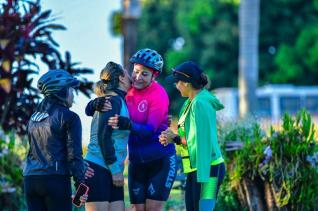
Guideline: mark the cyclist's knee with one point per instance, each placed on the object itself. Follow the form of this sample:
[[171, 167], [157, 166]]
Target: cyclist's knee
[[138, 207], [153, 205]]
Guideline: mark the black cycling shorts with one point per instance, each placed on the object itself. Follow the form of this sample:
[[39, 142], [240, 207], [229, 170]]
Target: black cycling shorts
[[48, 192], [151, 180], [101, 186]]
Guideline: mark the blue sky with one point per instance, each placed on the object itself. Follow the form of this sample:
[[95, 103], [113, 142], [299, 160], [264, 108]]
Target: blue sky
[[88, 38]]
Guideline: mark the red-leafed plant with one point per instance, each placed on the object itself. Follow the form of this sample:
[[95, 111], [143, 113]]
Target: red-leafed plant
[[26, 35]]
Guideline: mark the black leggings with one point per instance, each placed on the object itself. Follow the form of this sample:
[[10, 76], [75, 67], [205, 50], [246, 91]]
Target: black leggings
[[48, 193], [193, 192]]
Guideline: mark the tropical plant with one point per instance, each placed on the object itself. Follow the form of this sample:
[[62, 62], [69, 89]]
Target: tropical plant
[[26, 35], [242, 164], [292, 170], [276, 171]]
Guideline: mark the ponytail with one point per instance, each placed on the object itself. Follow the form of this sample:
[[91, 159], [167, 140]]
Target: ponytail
[[110, 76], [203, 79], [201, 82]]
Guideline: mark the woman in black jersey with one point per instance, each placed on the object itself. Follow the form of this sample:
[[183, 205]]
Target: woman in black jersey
[[55, 138]]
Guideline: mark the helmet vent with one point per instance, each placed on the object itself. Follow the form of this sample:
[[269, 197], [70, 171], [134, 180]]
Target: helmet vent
[[149, 58]]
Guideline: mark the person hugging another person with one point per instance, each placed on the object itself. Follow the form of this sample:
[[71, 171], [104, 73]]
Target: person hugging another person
[[107, 149], [152, 167]]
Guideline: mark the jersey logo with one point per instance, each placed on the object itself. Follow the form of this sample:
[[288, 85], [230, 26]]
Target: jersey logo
[[172, 172], [151, 189], [142, 106], [136, 191], [38, 116]]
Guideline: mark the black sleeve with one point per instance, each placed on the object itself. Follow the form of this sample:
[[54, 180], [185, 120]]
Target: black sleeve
[[74, 148], [89, 110], [95, 105], [105, 140]]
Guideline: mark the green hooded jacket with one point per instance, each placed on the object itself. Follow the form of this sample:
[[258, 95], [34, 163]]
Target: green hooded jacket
[[197, 123]]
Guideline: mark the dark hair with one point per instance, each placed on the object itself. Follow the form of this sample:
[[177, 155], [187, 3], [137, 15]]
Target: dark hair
[[201, 82], [110, 75]]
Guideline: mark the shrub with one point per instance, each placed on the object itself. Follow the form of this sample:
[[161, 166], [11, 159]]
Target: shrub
[[292, 170], [12, 152], [277, 171]]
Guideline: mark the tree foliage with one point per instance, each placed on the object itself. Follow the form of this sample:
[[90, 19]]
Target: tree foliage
[[26, 35], [206, 31], [285, 26], [298, 60], [202, 31], [209, 33]]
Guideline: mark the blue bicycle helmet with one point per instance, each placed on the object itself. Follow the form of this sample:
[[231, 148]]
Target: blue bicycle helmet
[[55, 80], [149, 58]]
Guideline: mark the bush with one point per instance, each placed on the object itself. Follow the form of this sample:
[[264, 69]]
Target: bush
[[240, 163], [278, 171], [292, 170], [12, 152]]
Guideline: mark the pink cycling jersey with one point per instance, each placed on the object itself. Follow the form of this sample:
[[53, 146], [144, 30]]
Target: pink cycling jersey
[[148, 106]]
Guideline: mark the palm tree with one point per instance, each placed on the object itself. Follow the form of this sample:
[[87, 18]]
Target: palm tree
[[248, 79], [248, 55]]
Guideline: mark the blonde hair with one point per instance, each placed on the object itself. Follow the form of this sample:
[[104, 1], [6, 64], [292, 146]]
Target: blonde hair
[[99, 89]]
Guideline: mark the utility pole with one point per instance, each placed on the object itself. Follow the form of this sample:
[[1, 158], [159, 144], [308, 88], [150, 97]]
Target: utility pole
[[131, 14]]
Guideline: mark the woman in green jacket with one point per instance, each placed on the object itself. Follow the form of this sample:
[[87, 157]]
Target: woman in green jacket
[[197, 133]]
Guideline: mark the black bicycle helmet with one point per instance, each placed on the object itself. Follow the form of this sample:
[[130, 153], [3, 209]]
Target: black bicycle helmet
[[55, 80], [149, 58]]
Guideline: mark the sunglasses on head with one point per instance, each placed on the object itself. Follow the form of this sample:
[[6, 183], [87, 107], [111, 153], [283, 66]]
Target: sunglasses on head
[[181, 73]]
